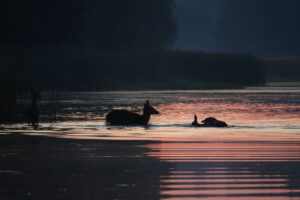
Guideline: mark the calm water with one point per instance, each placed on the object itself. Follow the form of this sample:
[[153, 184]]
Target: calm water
[[256, 157]]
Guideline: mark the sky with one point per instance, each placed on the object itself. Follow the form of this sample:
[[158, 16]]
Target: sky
[[267, 28], [195, 23]]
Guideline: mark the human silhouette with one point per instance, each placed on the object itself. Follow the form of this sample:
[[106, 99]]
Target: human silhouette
[[33, 112]]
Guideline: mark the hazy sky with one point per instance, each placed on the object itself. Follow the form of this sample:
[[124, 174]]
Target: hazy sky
[[196, 24], [258, 27]]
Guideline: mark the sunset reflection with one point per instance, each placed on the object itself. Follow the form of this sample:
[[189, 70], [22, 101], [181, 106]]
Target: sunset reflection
[[256, 157], [224, 170]]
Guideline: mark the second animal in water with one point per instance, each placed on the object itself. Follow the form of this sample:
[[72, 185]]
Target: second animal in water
[[209, 122]]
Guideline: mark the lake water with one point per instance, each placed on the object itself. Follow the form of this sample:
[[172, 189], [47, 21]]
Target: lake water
[[256, 157]]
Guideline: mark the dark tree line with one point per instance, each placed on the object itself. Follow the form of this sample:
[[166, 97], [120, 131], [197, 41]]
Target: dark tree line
[[51, 44], [104, 45], [158, 70], [266, 27]]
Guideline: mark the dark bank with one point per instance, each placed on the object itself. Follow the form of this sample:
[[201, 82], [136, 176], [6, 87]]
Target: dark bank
[[37, 167]]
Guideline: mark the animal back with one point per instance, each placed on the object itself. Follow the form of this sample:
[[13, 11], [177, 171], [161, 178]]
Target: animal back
[[221, 124], [123, 117]]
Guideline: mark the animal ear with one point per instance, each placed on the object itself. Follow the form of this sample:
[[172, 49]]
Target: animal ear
[[147, 102]]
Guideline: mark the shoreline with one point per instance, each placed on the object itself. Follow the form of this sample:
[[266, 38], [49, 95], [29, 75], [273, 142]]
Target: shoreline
[[42, 167]]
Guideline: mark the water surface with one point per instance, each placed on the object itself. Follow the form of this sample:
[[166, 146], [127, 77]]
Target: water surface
[[256, 157]]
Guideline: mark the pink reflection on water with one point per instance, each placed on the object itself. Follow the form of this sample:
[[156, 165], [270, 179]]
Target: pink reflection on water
[[223, 169], [222, 186], [282, 197], [227, 192], [224, 180], [257, 157], [235, 113]]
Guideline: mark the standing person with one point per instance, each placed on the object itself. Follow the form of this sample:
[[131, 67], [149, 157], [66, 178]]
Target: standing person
[[33, 112]]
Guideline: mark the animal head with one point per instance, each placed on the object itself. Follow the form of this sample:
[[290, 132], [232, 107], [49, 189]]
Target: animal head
[[195, 122], [149, 109]]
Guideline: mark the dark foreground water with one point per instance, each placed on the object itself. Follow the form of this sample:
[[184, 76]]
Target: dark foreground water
[[257, 157]]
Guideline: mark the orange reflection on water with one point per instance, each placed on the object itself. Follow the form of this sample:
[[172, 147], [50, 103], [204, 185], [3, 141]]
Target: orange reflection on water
[[235, 113], [264, 197], [222, 186], [233, 192], [227, 151], [230, 169], [224, 180], [256, 157]]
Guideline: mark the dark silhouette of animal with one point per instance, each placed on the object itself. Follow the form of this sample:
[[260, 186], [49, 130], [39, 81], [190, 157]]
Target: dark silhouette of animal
[[195, 122], [209, 122], [125, 117], [33, 112]]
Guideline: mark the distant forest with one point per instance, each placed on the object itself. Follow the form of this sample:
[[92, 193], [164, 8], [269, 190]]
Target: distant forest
[[108, 44], [133, 71], [282, 69], [105, 45]]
